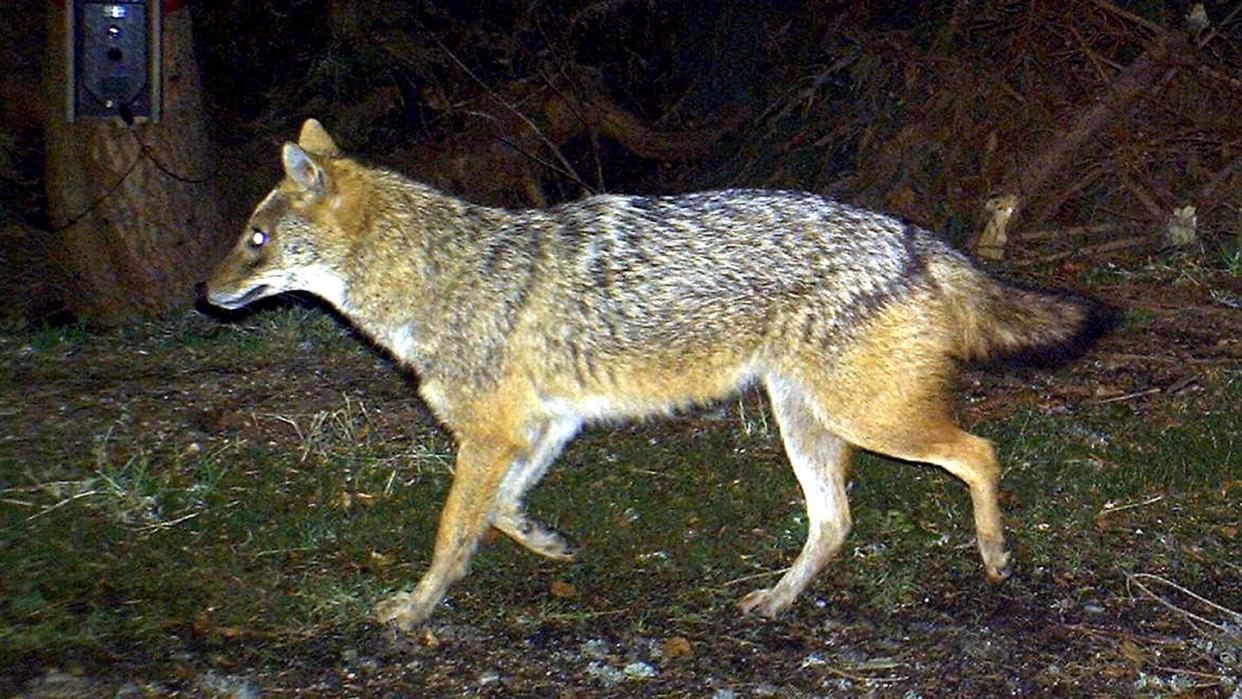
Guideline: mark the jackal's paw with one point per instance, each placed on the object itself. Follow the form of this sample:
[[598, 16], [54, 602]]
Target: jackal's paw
[[535, 537], [552, 545], [401, 611], [767, 602], [997, 569]]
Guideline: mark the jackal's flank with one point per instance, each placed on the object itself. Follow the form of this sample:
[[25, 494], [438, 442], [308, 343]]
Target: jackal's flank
[[524, 325]]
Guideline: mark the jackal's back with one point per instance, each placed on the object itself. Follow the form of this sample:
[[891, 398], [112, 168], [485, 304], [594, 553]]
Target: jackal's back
[[635, 274]]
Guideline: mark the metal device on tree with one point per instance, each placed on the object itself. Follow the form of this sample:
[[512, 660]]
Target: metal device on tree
[[113, 58]]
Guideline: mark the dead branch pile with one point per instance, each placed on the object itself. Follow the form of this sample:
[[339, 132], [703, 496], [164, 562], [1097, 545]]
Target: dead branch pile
[[1053, 115]]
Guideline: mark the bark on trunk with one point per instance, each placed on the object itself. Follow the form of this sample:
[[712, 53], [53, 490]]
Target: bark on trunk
[[133, 209]]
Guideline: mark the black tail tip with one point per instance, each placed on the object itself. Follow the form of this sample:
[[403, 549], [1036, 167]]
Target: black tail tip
[[1097, 319], [1101, 319]]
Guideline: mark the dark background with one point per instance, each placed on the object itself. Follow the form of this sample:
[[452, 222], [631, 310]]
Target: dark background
[[923, 110]]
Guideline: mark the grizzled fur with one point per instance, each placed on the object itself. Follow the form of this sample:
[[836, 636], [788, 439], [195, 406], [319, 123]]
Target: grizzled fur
[[524, 325]]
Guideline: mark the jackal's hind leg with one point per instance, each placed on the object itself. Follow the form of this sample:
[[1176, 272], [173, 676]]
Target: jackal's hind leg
[[523, 474], [973, 460], [820, 460], [534, 536]]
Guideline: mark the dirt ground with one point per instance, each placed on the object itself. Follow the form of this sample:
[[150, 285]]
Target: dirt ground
[[1129, 622]]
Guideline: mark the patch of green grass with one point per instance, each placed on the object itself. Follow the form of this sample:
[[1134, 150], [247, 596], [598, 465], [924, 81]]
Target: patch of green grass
[[46, 338], [261, 541], [1229, 253], [256, 541], [229, 540], [290, 322]]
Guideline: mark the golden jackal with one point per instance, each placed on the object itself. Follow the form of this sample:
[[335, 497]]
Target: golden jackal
[[523, 325]]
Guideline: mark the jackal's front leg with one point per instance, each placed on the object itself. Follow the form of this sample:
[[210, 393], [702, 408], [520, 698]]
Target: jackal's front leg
[[481, 465]]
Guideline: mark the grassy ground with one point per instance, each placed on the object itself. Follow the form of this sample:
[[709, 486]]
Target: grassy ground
[[196, 508]]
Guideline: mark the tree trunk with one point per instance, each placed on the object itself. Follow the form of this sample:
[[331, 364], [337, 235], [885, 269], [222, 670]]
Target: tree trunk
[[133, 209]]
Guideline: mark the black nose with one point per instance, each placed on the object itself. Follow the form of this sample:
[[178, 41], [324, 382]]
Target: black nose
[[200, 291]]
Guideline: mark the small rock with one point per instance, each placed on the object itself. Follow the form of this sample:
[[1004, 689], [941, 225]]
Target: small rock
[[227, 686], [766, 689], [603, 673], [562, 589], [676, 647], [813, 660], [639, 670], [595, 648], [129, 690], [57, 684]]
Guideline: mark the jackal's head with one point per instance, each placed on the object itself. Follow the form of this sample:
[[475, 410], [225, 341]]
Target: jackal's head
[[295, 240]]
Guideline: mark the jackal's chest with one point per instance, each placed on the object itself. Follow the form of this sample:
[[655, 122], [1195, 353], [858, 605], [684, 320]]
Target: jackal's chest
[[401, 341]]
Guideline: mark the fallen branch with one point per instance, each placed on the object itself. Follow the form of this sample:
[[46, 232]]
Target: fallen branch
[[1110, 246], [1072, 231]]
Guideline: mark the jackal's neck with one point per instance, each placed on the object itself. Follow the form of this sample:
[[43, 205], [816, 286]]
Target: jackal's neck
[[416, 279]]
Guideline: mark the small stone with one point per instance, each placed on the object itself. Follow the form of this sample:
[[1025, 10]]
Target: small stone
[[228, 686], [639, 670], [604, 673], [595, 648], [676, 647]]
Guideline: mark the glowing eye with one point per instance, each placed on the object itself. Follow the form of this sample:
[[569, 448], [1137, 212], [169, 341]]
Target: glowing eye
[[257, 238]]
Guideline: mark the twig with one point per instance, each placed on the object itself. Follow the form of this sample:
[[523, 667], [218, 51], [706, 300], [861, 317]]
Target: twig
[[1171, 389], [1088, 250], [1141, 21], [1067, 232], [1188, 593], [168, 524], [1109, 508], [756, 576], [1126, 635], [860, 679], [1092, 56], [521, 150], [1209, 190], [1222, 628], [39, 487], [1216, 29], [388, 484], [1192, 673], [570, 616], [62, 503], [517, 112], [1126, 396]]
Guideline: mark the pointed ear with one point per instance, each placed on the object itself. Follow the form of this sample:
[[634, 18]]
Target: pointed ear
[[301, 167], [315, 139]]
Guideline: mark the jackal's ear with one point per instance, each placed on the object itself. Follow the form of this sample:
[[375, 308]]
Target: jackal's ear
[[301, 167], [315, 139]]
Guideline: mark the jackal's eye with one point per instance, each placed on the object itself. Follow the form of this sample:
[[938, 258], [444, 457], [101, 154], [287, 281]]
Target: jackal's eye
[[258, 238]]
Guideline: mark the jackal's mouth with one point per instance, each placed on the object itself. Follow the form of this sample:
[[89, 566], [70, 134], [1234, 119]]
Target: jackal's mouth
[[231, 301]]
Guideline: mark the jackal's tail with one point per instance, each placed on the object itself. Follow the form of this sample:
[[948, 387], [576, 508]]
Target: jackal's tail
[[1002, 322]]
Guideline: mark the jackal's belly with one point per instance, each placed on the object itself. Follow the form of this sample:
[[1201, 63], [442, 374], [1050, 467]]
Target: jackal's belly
[[628, 389]]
